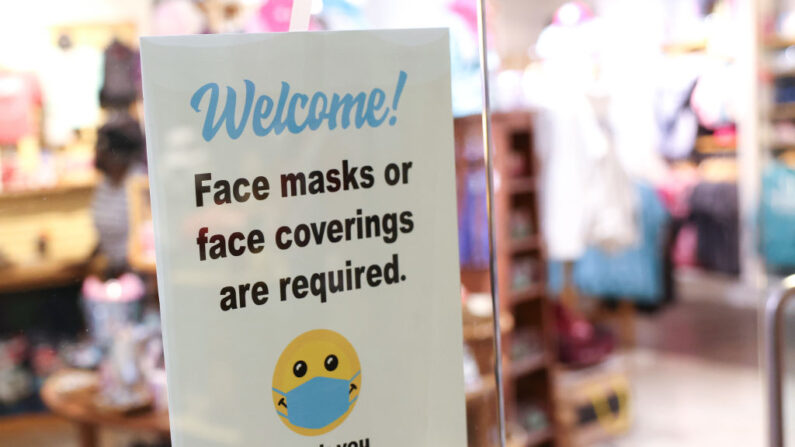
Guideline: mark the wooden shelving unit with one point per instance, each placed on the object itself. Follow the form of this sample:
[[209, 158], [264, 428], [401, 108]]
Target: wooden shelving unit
[[529, 346], [60, 217]]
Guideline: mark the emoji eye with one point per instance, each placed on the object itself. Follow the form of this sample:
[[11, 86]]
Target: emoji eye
[[299, 369], [331, 362]]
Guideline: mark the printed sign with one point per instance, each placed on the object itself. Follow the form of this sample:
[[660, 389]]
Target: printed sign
[[303, 194]]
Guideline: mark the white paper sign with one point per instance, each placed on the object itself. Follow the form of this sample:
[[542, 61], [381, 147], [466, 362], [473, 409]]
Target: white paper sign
[[303, 191]]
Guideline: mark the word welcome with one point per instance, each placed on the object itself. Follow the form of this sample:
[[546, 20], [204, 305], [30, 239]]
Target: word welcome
[[292, 111]]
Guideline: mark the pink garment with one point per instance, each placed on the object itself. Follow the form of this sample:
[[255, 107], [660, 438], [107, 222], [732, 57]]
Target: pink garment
[[675, 189], [20, 94], [684, 249], [175, 17], [273, 16], [468, 11]]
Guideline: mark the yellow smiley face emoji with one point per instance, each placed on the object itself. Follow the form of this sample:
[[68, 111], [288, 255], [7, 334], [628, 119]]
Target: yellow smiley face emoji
[[316, 382]]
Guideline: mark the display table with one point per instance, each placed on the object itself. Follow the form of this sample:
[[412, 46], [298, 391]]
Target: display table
[[51, 273], [64, 396]]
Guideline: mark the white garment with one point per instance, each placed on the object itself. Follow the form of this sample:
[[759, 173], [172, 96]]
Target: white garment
[[71, 81], [612, 218], [586, 197], [569, 142]]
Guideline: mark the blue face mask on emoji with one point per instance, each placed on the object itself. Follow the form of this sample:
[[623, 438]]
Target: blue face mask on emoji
[[318, 402]]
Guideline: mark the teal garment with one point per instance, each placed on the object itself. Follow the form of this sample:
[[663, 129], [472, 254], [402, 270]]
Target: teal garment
[[777, 216], [635, 273]]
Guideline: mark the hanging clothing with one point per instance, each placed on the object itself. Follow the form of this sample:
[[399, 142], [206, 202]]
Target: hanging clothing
[[586, 196], [569, 143], [20, 95], [777, 216], [568, 137], [714, 97], [611, 196], [122, 83], [71, 80], [636, 273], [715, 212]]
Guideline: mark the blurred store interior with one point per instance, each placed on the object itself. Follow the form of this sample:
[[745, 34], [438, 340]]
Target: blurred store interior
[[644, 208]]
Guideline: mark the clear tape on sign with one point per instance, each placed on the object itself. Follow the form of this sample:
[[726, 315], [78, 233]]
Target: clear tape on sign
[[299, 18]]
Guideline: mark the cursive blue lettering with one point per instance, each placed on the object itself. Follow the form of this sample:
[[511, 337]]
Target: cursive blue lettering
[[210, 128], [293, 111]]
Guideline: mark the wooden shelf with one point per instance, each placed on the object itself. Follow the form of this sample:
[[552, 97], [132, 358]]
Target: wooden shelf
[[530, 243], [524, 185], [529, 365], [539, 437], [777, 42], [41, 275], [529, 294], [45, 193], [485, 331], [531, 439], [711, 145]]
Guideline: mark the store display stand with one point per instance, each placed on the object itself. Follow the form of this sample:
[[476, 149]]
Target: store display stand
[[528, 350]]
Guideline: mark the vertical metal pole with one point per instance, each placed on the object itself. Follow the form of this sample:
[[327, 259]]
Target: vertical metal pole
[[775, 310], [488, 149], [774, 371]]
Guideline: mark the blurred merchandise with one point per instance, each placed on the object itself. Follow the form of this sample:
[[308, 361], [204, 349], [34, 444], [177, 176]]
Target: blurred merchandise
[[272, 16], [613, 221], [111, 305], [777, 216], [595, 403], [526, 344], [716, 215], [122, 386], [122, 76], [16, 381], [521, 223], [685, 247], [677, 121], [84, 355], [580, 343], [20, 95], [71, 80], [632, 274], [523, 274], [713, 99], [533, 418]]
